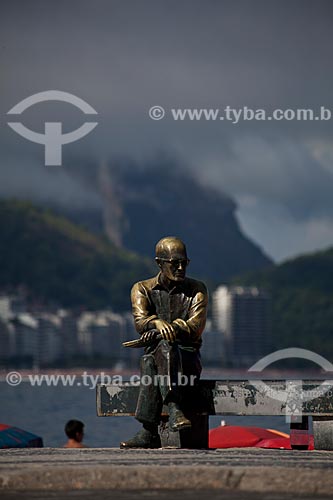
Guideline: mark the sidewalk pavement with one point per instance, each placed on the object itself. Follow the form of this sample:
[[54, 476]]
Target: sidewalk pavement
[[233, 470]]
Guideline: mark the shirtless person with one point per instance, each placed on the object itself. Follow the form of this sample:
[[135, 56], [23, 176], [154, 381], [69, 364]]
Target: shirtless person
[[74, 432]]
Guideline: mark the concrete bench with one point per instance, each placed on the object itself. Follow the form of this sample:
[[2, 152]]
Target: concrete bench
[[297, 399]]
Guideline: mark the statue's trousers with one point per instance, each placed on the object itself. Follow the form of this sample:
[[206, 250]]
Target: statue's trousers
[[166, 370]]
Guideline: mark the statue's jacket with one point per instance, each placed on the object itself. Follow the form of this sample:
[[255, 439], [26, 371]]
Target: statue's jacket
[[185, 306]]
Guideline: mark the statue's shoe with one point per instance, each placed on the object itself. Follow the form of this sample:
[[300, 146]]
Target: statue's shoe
[[177, 419], [143, 439]]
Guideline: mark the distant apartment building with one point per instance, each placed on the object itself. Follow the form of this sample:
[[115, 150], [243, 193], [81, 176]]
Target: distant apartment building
[[26, 337], [243, 315], [101, 334], [68, 332], [36, 338], [212, 346], [7, 340], [10, 305], [13, 343], [49, 340], [39, 338]]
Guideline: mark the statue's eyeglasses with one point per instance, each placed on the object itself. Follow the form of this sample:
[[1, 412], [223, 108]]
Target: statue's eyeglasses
[[176, 262]]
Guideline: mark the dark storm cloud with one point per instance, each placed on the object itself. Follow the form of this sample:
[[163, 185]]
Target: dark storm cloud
[[277, 171], [242, 52], [29, 179], [124, 57]]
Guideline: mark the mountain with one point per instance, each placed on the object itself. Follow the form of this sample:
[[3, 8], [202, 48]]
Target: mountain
[[56, 261], [302, 294], [142, 204]]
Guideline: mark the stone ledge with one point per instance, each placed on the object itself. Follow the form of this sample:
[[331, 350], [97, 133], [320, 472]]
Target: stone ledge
[[241, 469]]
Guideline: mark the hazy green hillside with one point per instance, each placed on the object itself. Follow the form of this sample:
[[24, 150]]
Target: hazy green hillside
[[302, 292], [58, 261], [139, 204]]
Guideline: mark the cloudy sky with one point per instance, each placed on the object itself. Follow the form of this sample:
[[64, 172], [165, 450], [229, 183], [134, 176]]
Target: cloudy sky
[[123, 57]]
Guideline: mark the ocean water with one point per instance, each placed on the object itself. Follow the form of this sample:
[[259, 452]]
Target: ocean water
[[45, 410]]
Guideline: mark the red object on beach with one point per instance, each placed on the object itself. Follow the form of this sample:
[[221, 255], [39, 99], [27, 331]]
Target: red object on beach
[[13, 437], [281, 443], [233, 436]]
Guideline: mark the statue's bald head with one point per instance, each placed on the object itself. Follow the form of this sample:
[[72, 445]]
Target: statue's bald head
[[171, 258], [171, 248]]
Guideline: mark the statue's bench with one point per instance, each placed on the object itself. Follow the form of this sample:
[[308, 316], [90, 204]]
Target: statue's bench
[[297, 399]]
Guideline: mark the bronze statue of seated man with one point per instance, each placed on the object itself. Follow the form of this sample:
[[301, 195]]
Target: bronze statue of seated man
[[170, 314]]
